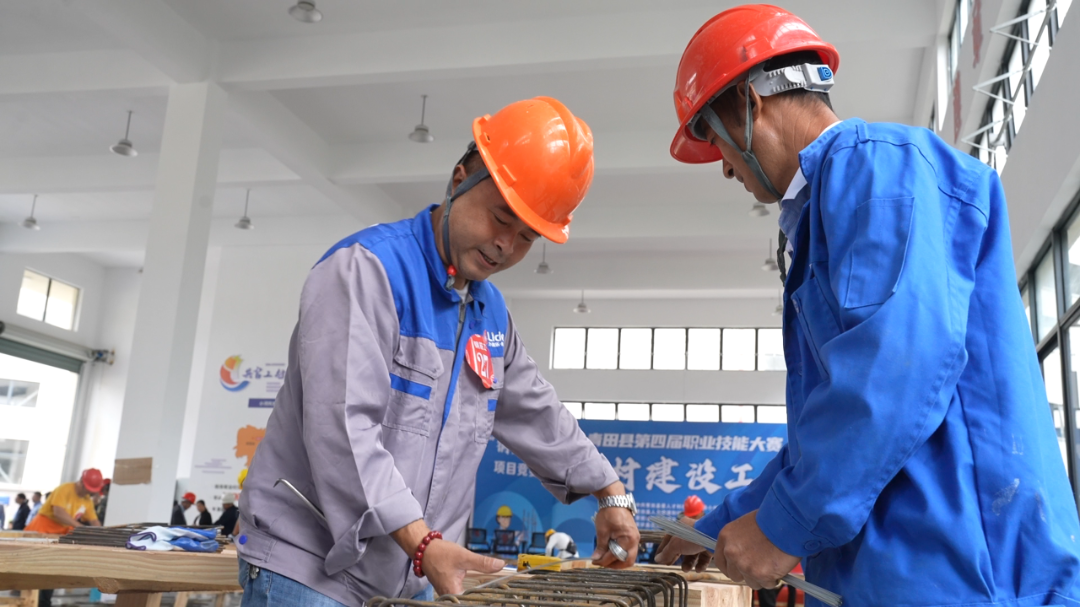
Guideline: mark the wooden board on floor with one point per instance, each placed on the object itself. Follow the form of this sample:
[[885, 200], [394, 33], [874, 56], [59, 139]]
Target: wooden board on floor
[[114, 570]]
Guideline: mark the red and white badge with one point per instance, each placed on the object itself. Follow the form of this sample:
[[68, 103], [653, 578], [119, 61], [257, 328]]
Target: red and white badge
[[476, 351]]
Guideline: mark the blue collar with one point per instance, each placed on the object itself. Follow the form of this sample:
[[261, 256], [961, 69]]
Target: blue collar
[[425, 236]]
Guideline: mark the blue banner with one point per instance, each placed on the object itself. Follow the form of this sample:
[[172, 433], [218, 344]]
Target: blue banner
[[661, 463]]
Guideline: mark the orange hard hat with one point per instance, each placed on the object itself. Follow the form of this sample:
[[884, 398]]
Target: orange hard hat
[[92, 480], [724, 49], [540, 156], [189, 496], [693, 506]]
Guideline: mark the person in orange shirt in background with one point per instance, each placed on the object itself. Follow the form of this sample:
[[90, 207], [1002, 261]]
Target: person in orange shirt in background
[[70, 505]]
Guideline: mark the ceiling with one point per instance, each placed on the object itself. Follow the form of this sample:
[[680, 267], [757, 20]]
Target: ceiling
[[318, 114]]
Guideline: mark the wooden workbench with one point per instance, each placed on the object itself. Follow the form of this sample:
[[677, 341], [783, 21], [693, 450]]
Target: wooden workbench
[[137, 577]]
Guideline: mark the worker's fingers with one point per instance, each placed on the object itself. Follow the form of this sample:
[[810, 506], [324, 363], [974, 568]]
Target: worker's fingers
[[485, 564], [702, 563], [602, 557]]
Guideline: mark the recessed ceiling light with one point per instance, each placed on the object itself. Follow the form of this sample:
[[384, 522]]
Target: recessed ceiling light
[[305, 12]]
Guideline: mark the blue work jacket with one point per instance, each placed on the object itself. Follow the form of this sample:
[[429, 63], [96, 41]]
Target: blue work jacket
[[922, 466]]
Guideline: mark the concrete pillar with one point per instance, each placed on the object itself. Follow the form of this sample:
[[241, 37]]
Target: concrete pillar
[[154, 402]]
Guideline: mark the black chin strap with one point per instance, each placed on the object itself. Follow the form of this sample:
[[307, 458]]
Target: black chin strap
[[748, 156], [451, 195]]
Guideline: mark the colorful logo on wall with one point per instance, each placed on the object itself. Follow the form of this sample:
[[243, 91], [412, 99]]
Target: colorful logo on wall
[[230, 374]]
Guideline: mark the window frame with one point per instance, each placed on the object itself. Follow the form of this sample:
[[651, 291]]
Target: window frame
[[75, 311]]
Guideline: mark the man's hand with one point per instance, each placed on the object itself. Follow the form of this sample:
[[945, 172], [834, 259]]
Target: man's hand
[[744, 554], [617, 524], [671, 548], [445, 564]]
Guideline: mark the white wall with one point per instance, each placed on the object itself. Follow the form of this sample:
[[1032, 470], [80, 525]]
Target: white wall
[[106, 383], [536, 319]]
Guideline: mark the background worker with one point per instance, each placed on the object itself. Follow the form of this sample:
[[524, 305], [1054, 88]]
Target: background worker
[[35, 506], [70, 505], [921, 462], [403, 364], [22, 513], [230, 515], [180, 509], [205, 519], [560, 545]]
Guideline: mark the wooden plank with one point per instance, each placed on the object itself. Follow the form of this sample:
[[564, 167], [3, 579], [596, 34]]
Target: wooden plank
[[181, 599], [139, 599], [133, 471], [28, 566]]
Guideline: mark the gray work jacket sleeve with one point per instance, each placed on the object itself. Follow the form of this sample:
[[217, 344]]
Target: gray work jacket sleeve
[[348, 327], [533, 423]]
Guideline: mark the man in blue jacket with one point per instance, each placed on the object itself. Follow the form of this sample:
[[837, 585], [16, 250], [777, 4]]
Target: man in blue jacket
[[922, 466]]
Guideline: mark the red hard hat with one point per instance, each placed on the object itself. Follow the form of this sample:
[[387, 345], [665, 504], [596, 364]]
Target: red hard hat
[[92, 480], [189, 496], [693, 506], [724, 49]]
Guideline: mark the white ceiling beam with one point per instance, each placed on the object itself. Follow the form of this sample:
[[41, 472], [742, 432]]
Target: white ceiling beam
[[246, 167], [77, 72], [639, 39], [305, 153], [152, 29], [405, 161]]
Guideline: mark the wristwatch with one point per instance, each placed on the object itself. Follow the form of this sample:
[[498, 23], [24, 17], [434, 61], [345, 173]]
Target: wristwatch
[[620, 501]]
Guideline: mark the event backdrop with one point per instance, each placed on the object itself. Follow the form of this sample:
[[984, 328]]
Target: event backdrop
[[661, 463]]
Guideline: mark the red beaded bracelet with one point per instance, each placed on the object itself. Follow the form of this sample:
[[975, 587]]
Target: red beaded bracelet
[[419, 556]]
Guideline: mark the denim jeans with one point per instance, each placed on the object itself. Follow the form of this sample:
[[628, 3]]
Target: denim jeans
[[264, 588]]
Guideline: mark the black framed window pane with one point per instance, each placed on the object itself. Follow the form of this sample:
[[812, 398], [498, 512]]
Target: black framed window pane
[[602, 349], [1051, 367], [669, 349], [703, 350], [1072, 261], [635, 349], [1045, 296], [574, 409], [739, 349], [1025, 296], [569, 349]]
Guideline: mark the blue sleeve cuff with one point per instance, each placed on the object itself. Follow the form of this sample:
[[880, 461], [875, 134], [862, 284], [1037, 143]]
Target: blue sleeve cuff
[[784, 530], [713, 522]]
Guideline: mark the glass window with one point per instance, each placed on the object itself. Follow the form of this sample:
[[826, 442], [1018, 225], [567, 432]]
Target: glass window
[[1025, 296], [737, 414], [703, 413], [602, 349], [703, 350], [33, 295], [574, 409], [12, 460], [60, 311], [599, 411], [634, 412], [770, 344], [1016, 86], [1055, 394], [1041, 53], [1072, 261], [635, 349], [667, 412], [1062, 8], [771, 415], [15, 393], [739, 349], [669, 349], [1045, 296], [963, 9], [569, 349]]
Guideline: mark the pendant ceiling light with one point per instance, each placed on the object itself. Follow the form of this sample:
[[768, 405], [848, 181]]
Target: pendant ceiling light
[[305, 12], [30, 223], [779, 304], [581, 307], [421, 134], [544, 268], [759, 210], [245, 221], [770, 264], [124, 147]]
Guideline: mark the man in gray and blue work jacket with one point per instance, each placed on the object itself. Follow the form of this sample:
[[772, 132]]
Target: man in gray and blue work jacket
[[403, 364]]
